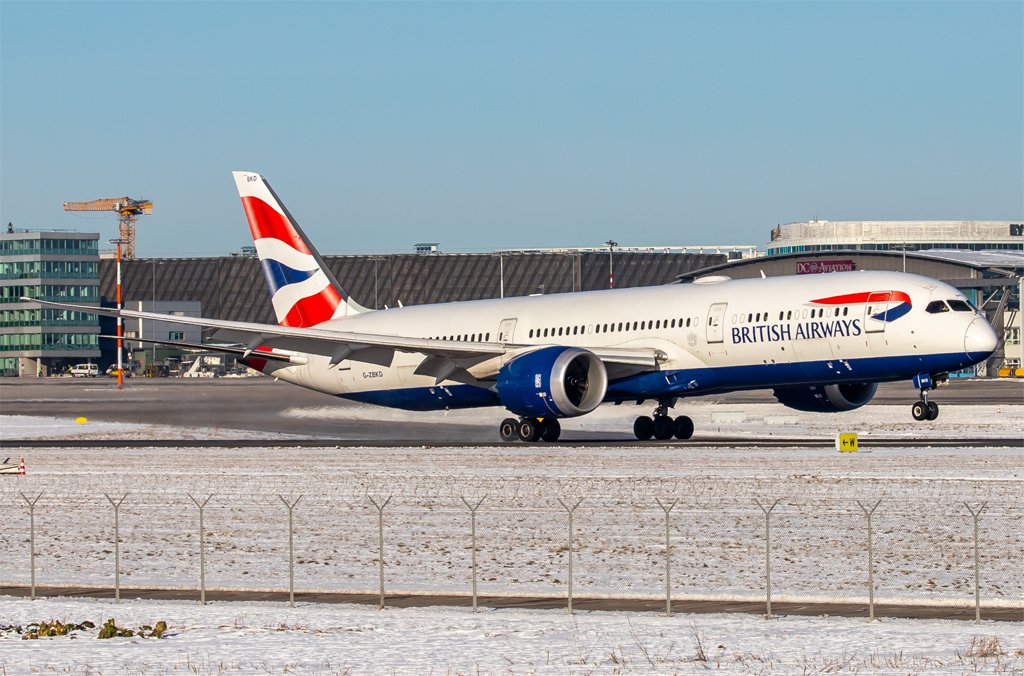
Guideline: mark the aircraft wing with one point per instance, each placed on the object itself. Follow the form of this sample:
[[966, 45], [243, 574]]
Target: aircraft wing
[[240, 350], [446, 359]]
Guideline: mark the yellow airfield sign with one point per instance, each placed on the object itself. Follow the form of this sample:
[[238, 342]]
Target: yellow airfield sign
[[846, 442]]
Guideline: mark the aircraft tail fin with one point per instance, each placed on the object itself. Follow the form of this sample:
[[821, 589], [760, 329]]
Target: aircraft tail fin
[[303, 290]]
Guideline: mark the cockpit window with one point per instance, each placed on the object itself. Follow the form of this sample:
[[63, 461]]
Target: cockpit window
[[960, 306], [936, 306]]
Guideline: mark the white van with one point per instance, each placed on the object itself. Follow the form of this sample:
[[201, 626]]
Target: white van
[[85, 371]]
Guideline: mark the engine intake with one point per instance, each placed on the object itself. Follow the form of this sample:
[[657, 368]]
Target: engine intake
[[560, 382], [826, 398]]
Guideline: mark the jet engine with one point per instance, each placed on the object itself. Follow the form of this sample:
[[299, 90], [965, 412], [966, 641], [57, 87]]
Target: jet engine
[[560, 382], [826, 398]]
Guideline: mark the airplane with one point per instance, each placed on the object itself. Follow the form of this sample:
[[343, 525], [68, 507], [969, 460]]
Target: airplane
[[820, 344]]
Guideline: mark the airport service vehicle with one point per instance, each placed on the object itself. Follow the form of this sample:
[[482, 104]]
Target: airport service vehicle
[[85, 371], [821, 343]]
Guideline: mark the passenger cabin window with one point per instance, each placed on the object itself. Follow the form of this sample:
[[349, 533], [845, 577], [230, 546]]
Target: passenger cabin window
[[936, 306]]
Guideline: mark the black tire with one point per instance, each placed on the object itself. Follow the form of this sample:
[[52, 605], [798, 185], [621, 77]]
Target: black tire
[[528, 430], [683, 427], [663, 428], [643, 428], [508, 429], [552, 429], [933, 410], [919, 410]]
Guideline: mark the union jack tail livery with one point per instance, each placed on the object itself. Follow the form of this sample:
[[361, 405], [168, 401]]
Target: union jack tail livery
[[302, 288]]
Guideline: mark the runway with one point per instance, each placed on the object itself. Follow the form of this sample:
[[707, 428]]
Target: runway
[[261, 404], [711, 442], [582, 603]]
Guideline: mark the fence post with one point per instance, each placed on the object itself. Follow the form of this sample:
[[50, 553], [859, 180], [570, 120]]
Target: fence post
[[202, 548], [117, 545], [977, 567], [668, 556], [767, 553], [571, 511], [32, 538], [380, 544], [472, 531], [291, 549], [871, 559]]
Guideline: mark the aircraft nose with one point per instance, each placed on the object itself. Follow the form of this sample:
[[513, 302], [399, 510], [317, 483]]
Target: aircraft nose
[[979, 340]]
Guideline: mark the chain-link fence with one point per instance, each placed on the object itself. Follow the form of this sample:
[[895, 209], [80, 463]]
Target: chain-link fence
[[957, 544]]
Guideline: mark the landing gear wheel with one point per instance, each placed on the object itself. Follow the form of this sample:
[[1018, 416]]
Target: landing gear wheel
[[508, 430], [528, 430], [663, 428], [683, 427], [643, 428], [552, 429], [933, 410], [920, 410]]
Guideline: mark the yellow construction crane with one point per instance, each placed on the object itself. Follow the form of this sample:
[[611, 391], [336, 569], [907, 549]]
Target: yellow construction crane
[[128, 211]]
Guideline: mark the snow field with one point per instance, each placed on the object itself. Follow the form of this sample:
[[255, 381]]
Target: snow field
[[922, 531], [227, 638], [923, 548]]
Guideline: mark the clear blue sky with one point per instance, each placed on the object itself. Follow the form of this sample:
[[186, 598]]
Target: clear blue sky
[[484, 125]]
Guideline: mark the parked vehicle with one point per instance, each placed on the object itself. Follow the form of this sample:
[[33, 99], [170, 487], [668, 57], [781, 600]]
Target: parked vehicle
[[85, 371]]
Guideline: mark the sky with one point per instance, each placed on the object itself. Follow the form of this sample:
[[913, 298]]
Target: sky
[[510, 125]]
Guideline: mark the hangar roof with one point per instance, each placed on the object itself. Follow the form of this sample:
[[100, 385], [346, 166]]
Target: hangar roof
[[988, 263], [982, 259]]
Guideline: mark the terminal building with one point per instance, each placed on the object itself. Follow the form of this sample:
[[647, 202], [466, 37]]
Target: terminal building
[[58, 266], [816, 236]]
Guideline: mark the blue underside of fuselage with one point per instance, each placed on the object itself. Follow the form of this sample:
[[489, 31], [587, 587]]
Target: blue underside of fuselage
[[694, 382]]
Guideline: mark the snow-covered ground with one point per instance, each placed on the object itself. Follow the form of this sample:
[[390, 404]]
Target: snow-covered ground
[[922, 536], [228, 638]]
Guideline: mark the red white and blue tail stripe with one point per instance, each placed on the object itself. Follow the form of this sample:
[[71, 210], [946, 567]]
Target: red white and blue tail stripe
[[302, 289]]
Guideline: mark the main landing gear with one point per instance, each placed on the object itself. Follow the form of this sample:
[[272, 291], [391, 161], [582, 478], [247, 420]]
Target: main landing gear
[[924, 409], [530, 429], [661, 426]]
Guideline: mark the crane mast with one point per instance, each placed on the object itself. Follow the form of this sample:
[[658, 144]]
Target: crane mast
[[128, 211]]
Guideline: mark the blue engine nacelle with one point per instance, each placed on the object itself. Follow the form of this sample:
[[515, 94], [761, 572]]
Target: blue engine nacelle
[[559, 382], [826, 398]]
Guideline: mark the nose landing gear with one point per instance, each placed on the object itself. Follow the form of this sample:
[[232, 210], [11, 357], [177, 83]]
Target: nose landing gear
[[924, 409], [662, 427]]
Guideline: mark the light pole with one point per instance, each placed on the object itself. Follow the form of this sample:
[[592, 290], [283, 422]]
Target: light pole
[[501, 276], [120, 371], [611, 273]]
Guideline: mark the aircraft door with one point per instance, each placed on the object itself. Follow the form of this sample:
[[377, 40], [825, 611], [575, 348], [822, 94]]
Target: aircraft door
[[877, 306], [716, 320], [506, 330]]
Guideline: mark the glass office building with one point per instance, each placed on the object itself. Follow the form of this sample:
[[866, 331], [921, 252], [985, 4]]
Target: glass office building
[[58, 266]]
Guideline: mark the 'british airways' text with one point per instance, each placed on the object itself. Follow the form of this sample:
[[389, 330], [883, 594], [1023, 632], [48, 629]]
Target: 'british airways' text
[[771, 333]]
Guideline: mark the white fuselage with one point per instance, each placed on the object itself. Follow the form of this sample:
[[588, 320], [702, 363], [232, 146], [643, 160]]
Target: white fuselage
[[715, 334]]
